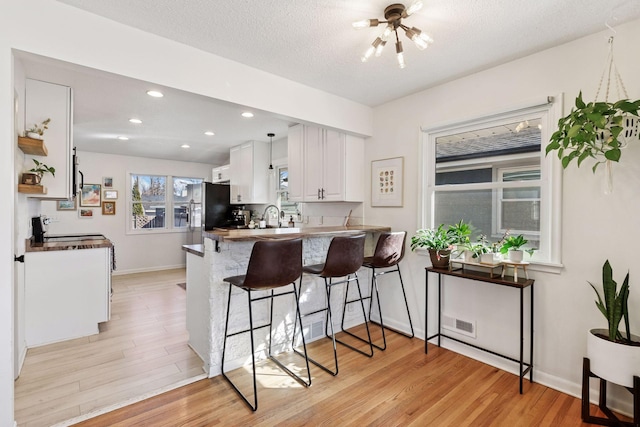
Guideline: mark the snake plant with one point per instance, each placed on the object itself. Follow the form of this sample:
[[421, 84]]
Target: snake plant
[[614, 306]]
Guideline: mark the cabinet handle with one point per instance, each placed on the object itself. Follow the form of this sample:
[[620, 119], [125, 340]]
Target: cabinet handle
[[318, 194], [323, 193]]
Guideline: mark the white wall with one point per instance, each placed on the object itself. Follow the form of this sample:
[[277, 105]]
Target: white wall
[[595, 227], [134, 252]]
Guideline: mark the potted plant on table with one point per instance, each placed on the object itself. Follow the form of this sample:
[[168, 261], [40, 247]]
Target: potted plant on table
[[512, 245], [37, 130], [438, 241], [34, 176], [613, 355]]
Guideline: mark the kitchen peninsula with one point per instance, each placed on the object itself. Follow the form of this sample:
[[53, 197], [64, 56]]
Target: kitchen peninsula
[[226, 253]]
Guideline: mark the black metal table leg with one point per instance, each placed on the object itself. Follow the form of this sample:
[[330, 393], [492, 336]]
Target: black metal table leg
[[531, 338], [439, 306], [521, 335], [426, 311]]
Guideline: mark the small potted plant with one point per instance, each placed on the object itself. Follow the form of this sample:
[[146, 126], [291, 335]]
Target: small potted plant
[[34, 176], [613, 355], [439, 243], [37, 130], [512, 245], [460, 234]]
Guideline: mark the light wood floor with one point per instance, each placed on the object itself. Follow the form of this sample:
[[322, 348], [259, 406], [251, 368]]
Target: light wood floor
[[398, 387], [142, 348]]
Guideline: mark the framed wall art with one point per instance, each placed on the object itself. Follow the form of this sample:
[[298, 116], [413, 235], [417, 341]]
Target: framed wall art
[[110, 194], [387, 182], [108, 208], [66, 205], [90, 195], [86, 213], [107, 182]]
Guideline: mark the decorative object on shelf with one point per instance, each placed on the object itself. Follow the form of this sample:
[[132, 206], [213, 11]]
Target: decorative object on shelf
[[108, 208], [439, 243], [512, 245], [66, 205], [90, 195], [599, 129], [34, 176], [110, 194], [387, 182], [107, 182], [86, 213], [37, 130], [394, 14], [614, 356]]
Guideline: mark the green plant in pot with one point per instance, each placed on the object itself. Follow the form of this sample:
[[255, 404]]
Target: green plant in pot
[[460, 236], [613, 355], [439, 243], [35, 174], [37, 130], [511, 246]]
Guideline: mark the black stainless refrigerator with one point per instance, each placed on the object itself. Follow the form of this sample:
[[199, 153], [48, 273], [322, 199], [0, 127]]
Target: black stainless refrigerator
[[208, 207]]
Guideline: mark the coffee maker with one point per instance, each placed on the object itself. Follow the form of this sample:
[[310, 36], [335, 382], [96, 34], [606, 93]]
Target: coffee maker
[[37, 225], [241, 217]]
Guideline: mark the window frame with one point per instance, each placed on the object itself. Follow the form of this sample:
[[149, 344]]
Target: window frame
[[549, 110], [168, 204], [499, 198]]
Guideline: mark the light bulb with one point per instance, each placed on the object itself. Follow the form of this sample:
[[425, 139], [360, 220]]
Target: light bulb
[[400, 55], [416, 6], [424, 36], [419, 42], [368, 53], [380, 48], [387, 31], [365, 23]]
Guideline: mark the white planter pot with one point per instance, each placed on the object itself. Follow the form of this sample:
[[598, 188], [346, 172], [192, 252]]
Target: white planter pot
[[468, 256], [486, 258], [516, 256], [34, 135], [611, 361]]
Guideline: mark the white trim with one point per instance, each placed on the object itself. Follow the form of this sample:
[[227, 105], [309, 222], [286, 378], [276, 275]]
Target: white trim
[[148, 269]]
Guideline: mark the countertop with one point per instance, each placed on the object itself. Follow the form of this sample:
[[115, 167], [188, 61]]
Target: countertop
[[89, 243], [245, 235], [197, 249]]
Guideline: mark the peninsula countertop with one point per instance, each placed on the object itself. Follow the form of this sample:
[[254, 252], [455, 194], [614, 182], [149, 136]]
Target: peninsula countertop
[[68, 242], [245, 235]]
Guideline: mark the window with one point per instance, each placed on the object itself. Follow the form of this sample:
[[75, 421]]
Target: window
[[149, 201], [492, 173]]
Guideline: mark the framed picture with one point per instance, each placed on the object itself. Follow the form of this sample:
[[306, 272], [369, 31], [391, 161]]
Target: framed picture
[[108, 208], [387, 182], [66, 205], [110, 194], [90, 195], [107, 182], [86, 213]]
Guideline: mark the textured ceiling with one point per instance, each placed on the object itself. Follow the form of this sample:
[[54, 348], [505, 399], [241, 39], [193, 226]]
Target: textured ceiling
[[307, 41], [312, 41]]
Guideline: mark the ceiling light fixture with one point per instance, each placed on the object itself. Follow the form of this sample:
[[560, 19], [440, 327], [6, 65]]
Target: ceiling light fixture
[[185, 146], [209, 133], [123, 138], [271, 135], [136, 121], [394, 14], [247, 114], [155, 93]]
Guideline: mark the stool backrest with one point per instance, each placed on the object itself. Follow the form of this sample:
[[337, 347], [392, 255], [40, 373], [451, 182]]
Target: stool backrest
[[389, 249], [274, 263], [344, 257]]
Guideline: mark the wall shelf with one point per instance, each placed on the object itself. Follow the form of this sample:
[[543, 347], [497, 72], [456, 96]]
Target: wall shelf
[[32, 146], [32, 189]]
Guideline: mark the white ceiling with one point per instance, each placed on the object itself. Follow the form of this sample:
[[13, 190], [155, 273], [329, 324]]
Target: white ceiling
[[311, 42]]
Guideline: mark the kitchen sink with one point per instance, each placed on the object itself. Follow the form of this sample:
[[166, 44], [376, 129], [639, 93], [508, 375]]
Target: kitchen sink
[[74, 237]]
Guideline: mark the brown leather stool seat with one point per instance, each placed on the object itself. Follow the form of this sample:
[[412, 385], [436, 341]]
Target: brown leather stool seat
[[273, 264], [344, 259], [388, 254]]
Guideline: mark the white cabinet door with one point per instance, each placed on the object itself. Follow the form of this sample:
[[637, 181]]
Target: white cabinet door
[[295, 154], [313, 163], [52, 101], [333, 165], [221, 174], [241, 173]]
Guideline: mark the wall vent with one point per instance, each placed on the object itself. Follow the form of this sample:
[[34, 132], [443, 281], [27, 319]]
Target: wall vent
[[314, 330], [460, 326]]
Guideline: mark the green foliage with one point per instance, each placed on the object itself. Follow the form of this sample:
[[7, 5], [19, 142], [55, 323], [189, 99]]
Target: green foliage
[[138, 210], [460, 233], [591, 131], [432, 238], [39, 128], [614, 307], [514, 243], [41, 169]]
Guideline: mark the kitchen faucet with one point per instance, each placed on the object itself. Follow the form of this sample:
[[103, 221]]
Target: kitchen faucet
[[264, 215]]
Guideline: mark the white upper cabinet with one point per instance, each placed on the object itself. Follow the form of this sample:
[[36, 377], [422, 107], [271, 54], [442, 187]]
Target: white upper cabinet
[[325, 165], [43, 101], [221, 173], [249, 177]]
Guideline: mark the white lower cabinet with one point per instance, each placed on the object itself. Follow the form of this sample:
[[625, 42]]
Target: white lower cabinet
[[67, 293], [325, 165]]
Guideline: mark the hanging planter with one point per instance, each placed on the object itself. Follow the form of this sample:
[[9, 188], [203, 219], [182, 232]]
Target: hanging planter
[[598, 130]]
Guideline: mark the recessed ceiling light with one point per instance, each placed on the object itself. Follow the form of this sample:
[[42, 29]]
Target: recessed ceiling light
[[123, 138], [209, 133], [155, 93], [247, 114], [136, 121], [185, 146]]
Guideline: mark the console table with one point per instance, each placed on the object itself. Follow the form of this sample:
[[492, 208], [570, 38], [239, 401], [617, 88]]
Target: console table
[[509, 282]]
